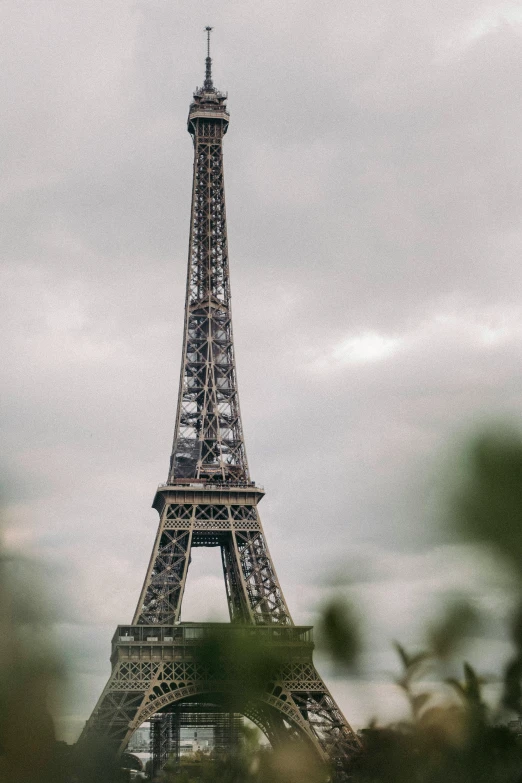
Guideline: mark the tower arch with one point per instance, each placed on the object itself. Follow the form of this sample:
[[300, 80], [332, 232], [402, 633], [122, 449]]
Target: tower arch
[[268, 713]]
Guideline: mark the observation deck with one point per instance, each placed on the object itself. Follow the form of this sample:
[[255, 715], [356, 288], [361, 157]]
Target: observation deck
[[192, 490], [181, 641], [209, 104]]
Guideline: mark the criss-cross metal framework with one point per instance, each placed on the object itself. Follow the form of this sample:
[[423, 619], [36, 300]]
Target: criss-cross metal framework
[[208, 438], [210, 500]]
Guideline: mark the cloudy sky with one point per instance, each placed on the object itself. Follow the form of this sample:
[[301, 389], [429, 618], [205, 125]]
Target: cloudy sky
[[373, 174]]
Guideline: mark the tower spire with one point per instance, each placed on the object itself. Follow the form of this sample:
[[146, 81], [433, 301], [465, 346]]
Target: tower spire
[[208, 63]]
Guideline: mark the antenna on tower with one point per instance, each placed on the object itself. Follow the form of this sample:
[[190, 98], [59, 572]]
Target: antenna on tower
[[208, 63]]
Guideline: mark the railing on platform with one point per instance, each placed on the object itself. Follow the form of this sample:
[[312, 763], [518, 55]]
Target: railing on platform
[[198, 484], [187, 633]]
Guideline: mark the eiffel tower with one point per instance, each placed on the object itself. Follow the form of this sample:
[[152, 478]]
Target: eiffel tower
[[209, 500]]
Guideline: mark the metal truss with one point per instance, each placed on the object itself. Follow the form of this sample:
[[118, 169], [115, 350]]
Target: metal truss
[[253, 590], [210, 500], [208, 437], [158, 669]]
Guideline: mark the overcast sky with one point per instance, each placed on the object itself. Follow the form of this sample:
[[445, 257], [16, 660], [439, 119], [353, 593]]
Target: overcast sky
[[373, 178]]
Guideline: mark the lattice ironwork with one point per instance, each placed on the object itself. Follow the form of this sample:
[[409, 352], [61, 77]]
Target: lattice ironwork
[[163, 589], [168, 674], [210, 500], [208, 437], [160, 741], [253, 590]]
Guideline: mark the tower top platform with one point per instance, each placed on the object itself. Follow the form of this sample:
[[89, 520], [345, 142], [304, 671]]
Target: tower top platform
[[209, 103]]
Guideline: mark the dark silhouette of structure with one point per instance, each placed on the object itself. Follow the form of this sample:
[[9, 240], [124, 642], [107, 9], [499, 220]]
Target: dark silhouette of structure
[[210, 500]]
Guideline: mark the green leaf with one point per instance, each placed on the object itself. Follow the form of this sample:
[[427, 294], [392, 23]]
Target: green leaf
[[488, 505], [413, 664], [512, 693], [419, 701], [457, 622], [473, 688], [339, 632]]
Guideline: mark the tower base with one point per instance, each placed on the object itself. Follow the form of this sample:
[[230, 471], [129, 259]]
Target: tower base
[[264, 673]]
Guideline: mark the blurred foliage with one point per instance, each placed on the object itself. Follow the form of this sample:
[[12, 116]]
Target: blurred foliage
[[241, 659], [252, 763], [339, 632], [450, 739], [29, 675], [512, 693], [93, 761], [31, 678], [487, 507], [458, 621], [452, 736]]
